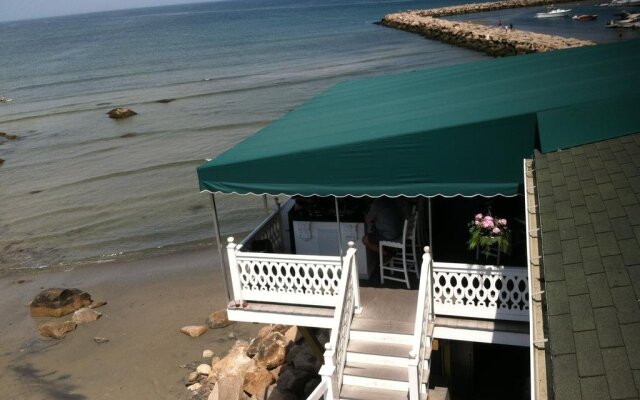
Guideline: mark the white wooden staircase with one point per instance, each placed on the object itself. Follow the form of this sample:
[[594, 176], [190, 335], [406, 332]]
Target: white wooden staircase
[[377, 361]]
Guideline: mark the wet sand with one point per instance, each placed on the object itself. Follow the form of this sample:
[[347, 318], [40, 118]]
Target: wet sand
[[149, 301]]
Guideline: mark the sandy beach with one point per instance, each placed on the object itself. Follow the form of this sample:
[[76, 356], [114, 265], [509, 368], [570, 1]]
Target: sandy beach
[[149, 300]]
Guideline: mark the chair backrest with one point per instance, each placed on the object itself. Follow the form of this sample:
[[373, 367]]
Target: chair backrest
[[410, 223]]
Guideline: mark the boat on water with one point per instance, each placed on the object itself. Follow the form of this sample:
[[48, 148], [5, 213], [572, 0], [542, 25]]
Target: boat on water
[[558, 12], [585, 17], [4, 99], [627, 21], [625, 3]]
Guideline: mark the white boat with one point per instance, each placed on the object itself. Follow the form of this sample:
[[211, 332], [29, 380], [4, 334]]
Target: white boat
[[558, 12], [625, 3]]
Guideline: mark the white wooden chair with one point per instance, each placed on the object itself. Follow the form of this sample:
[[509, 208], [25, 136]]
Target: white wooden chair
[[404, 255]]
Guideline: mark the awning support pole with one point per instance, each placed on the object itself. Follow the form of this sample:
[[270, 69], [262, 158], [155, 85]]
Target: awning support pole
[[339, 229], [216, 227], [432, 316], [266, 205], [430, 229]]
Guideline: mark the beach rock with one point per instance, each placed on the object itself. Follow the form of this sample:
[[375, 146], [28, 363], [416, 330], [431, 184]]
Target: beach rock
[[204, 369], [272, 351], [292, 335], [256, 381], [84, 315], [56, 330], [1, 161], [207, 354], [100, 340], [121, 112], [228, 388], [306, 361], [195, 386], [276, 372], [218, 319], [263, 333], [191, 378], [193, 330], [236, 363], [214, 361], [97, 304], [58, 302], [7, 136], [293, 380]]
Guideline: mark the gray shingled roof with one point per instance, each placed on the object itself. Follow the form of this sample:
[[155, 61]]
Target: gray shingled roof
[[589, 207]]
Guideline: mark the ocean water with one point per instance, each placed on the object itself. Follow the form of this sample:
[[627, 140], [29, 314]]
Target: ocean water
[[78, 185]]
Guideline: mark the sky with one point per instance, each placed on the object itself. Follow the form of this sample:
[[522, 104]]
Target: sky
[[11, 10]]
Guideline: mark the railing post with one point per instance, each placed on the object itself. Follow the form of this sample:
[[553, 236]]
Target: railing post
[[432, 314], [233, 269], [330, 371], [351, 257], [414, 382]]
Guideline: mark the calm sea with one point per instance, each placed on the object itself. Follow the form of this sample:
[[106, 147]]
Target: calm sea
[[78, 185]]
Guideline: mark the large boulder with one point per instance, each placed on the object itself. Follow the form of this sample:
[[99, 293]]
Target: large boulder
[[236, 363], [84, 315], [218, 319], [257, 380], [293, 380], [58, 302], [272, 351], [56, 330], [228, 388], [263, 333], [121, 112]]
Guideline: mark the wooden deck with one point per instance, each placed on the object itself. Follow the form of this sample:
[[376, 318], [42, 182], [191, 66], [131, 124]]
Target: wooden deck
[[391, 311]]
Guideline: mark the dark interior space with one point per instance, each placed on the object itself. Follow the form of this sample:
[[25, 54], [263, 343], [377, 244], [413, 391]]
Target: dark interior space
[[451, 217], [481, 371]]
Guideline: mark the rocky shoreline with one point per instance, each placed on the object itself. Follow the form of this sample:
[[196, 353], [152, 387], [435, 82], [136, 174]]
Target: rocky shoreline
[[495, 41]]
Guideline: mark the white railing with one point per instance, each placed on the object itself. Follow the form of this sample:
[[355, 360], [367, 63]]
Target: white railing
[[270, 231], [481, 291], [284, 278], [418, 361], [336, 350], [321, 391]]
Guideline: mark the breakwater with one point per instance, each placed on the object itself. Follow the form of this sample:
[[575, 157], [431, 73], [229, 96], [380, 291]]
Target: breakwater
[[488, 6], [495, 41]]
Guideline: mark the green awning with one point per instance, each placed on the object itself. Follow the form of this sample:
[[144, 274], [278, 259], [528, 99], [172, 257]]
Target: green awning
[[461, 130]]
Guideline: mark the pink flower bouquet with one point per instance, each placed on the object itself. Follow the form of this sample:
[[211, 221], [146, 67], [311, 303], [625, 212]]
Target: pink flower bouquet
[[486, 231]]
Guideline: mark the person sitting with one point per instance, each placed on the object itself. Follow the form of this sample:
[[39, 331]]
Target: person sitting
[[384, 221]]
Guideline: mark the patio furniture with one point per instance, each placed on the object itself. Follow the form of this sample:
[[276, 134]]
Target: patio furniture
[[403, 257]]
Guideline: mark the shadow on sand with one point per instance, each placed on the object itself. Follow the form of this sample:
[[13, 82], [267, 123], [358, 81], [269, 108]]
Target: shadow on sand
[[51, 386]]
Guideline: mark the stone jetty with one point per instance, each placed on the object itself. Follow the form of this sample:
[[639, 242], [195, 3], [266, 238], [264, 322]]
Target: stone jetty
[[493, 40], [489, 6]]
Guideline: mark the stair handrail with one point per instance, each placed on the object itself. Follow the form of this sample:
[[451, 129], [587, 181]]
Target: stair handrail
[[347, 305], [421, 338]]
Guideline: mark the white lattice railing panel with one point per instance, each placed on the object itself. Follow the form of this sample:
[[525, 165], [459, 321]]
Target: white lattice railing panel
[[284, 278], [269, 231], [479, 291]]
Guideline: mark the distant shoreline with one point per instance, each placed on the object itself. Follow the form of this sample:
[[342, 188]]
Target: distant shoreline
[[495, 41]]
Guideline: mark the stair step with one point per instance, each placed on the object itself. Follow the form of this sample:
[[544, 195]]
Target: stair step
[[382, 326], [380, 349], [350, 392], [374, 371], [392, 354]]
